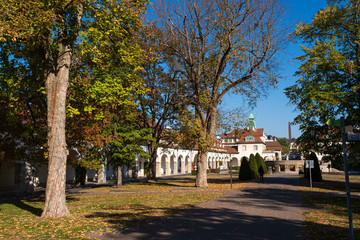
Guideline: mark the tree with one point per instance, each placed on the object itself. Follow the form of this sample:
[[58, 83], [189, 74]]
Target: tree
[[160, 105], [126, 145], [221, 47], [285, 145], [260, 162], [245, 172], [328, 78], [41, 38], [253, 167]]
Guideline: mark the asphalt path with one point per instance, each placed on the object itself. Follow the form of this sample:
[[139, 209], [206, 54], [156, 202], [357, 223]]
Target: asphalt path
[[269, 210]]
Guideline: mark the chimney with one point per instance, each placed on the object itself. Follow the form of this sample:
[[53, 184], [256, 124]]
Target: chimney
[[289, 132]]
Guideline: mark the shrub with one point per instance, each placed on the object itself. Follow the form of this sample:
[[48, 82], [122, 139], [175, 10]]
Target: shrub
[[315, 172], [245, 172], [235, 168], [193, 172], [260, 162], [213, 170], [253, 167]]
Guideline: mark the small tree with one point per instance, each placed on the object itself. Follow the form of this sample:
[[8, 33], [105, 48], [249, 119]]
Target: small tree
[[253, 167], [245, 172], [260, 162]]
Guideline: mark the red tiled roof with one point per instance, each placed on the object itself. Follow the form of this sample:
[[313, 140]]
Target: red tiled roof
[[231, 150], [243, 133], [273, 145]]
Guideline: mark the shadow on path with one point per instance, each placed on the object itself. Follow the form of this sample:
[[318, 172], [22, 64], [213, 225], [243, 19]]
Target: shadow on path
[[261, 211]]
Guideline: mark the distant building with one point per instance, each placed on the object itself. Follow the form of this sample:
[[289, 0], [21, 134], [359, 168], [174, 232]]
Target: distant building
[[171, 160]]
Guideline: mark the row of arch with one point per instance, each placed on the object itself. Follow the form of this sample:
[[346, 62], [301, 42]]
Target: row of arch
[[169, 164]]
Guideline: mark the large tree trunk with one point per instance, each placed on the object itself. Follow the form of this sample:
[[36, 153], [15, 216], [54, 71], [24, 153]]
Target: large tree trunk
[[201, 175], [56, 87], [119, 176]]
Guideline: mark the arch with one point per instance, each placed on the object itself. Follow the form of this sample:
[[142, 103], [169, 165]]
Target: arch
[[195, 162], [234, 162], [163, 164], [180, 164], [187, 164]]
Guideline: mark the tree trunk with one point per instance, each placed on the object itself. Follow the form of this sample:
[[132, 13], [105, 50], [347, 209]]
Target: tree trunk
[[152, 165], [119, 176], [56, 88], [201, 175]]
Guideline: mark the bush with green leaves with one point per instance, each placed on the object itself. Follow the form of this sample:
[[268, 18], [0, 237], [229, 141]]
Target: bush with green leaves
[[253, 167], [245, 172], [260, 162]]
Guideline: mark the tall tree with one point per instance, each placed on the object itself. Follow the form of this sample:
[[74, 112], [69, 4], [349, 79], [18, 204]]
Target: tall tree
[[328, 78], [221, 47], [161, 104], [40, 39]]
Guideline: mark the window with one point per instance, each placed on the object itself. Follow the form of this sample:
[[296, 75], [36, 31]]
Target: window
[[244, 147], [255, 147], [249, 139]]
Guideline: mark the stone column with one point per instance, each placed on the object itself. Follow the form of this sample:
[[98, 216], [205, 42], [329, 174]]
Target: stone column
[[101, 174], [175, 168], [158, 169], [167, 168], [182, 167]]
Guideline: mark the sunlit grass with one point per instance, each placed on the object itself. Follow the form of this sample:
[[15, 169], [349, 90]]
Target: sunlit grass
[[327, 217], [109, 212]]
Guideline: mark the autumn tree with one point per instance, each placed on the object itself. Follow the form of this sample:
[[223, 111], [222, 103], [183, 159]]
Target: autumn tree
[[162, 102], [328, 78], [221, 47], [41, 39]]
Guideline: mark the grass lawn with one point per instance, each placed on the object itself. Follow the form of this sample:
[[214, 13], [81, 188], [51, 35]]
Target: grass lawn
[[21, 219], [328, 214]]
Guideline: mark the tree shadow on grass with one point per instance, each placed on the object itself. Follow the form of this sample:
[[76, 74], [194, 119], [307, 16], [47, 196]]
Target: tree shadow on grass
[[317, 231], [24, 204], [27, 207]]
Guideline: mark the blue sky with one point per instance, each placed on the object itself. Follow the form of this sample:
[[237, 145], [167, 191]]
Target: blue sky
[[274, 112]]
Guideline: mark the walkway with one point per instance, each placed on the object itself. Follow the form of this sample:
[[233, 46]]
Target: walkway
[[261, 211]]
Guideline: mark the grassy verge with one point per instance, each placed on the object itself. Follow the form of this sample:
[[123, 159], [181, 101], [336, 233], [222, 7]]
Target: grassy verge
[[328, 214], [215, 182], [21, 219]]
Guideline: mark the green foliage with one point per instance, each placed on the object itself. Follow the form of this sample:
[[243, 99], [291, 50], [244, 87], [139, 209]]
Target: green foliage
[[245, 171], [260, 162], [328, 78], [285, 145], [253, 167]]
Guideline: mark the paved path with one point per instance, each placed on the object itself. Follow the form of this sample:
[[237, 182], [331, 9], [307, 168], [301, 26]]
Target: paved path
[[271, 210]]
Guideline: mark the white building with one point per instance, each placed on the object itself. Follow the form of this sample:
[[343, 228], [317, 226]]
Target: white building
[[170, 160]]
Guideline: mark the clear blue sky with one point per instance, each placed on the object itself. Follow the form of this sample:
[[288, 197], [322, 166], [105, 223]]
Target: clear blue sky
[[274, 112]]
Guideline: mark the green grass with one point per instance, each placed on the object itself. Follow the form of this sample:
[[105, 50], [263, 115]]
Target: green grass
[[106, 213], [327, 217], [21, 219]]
